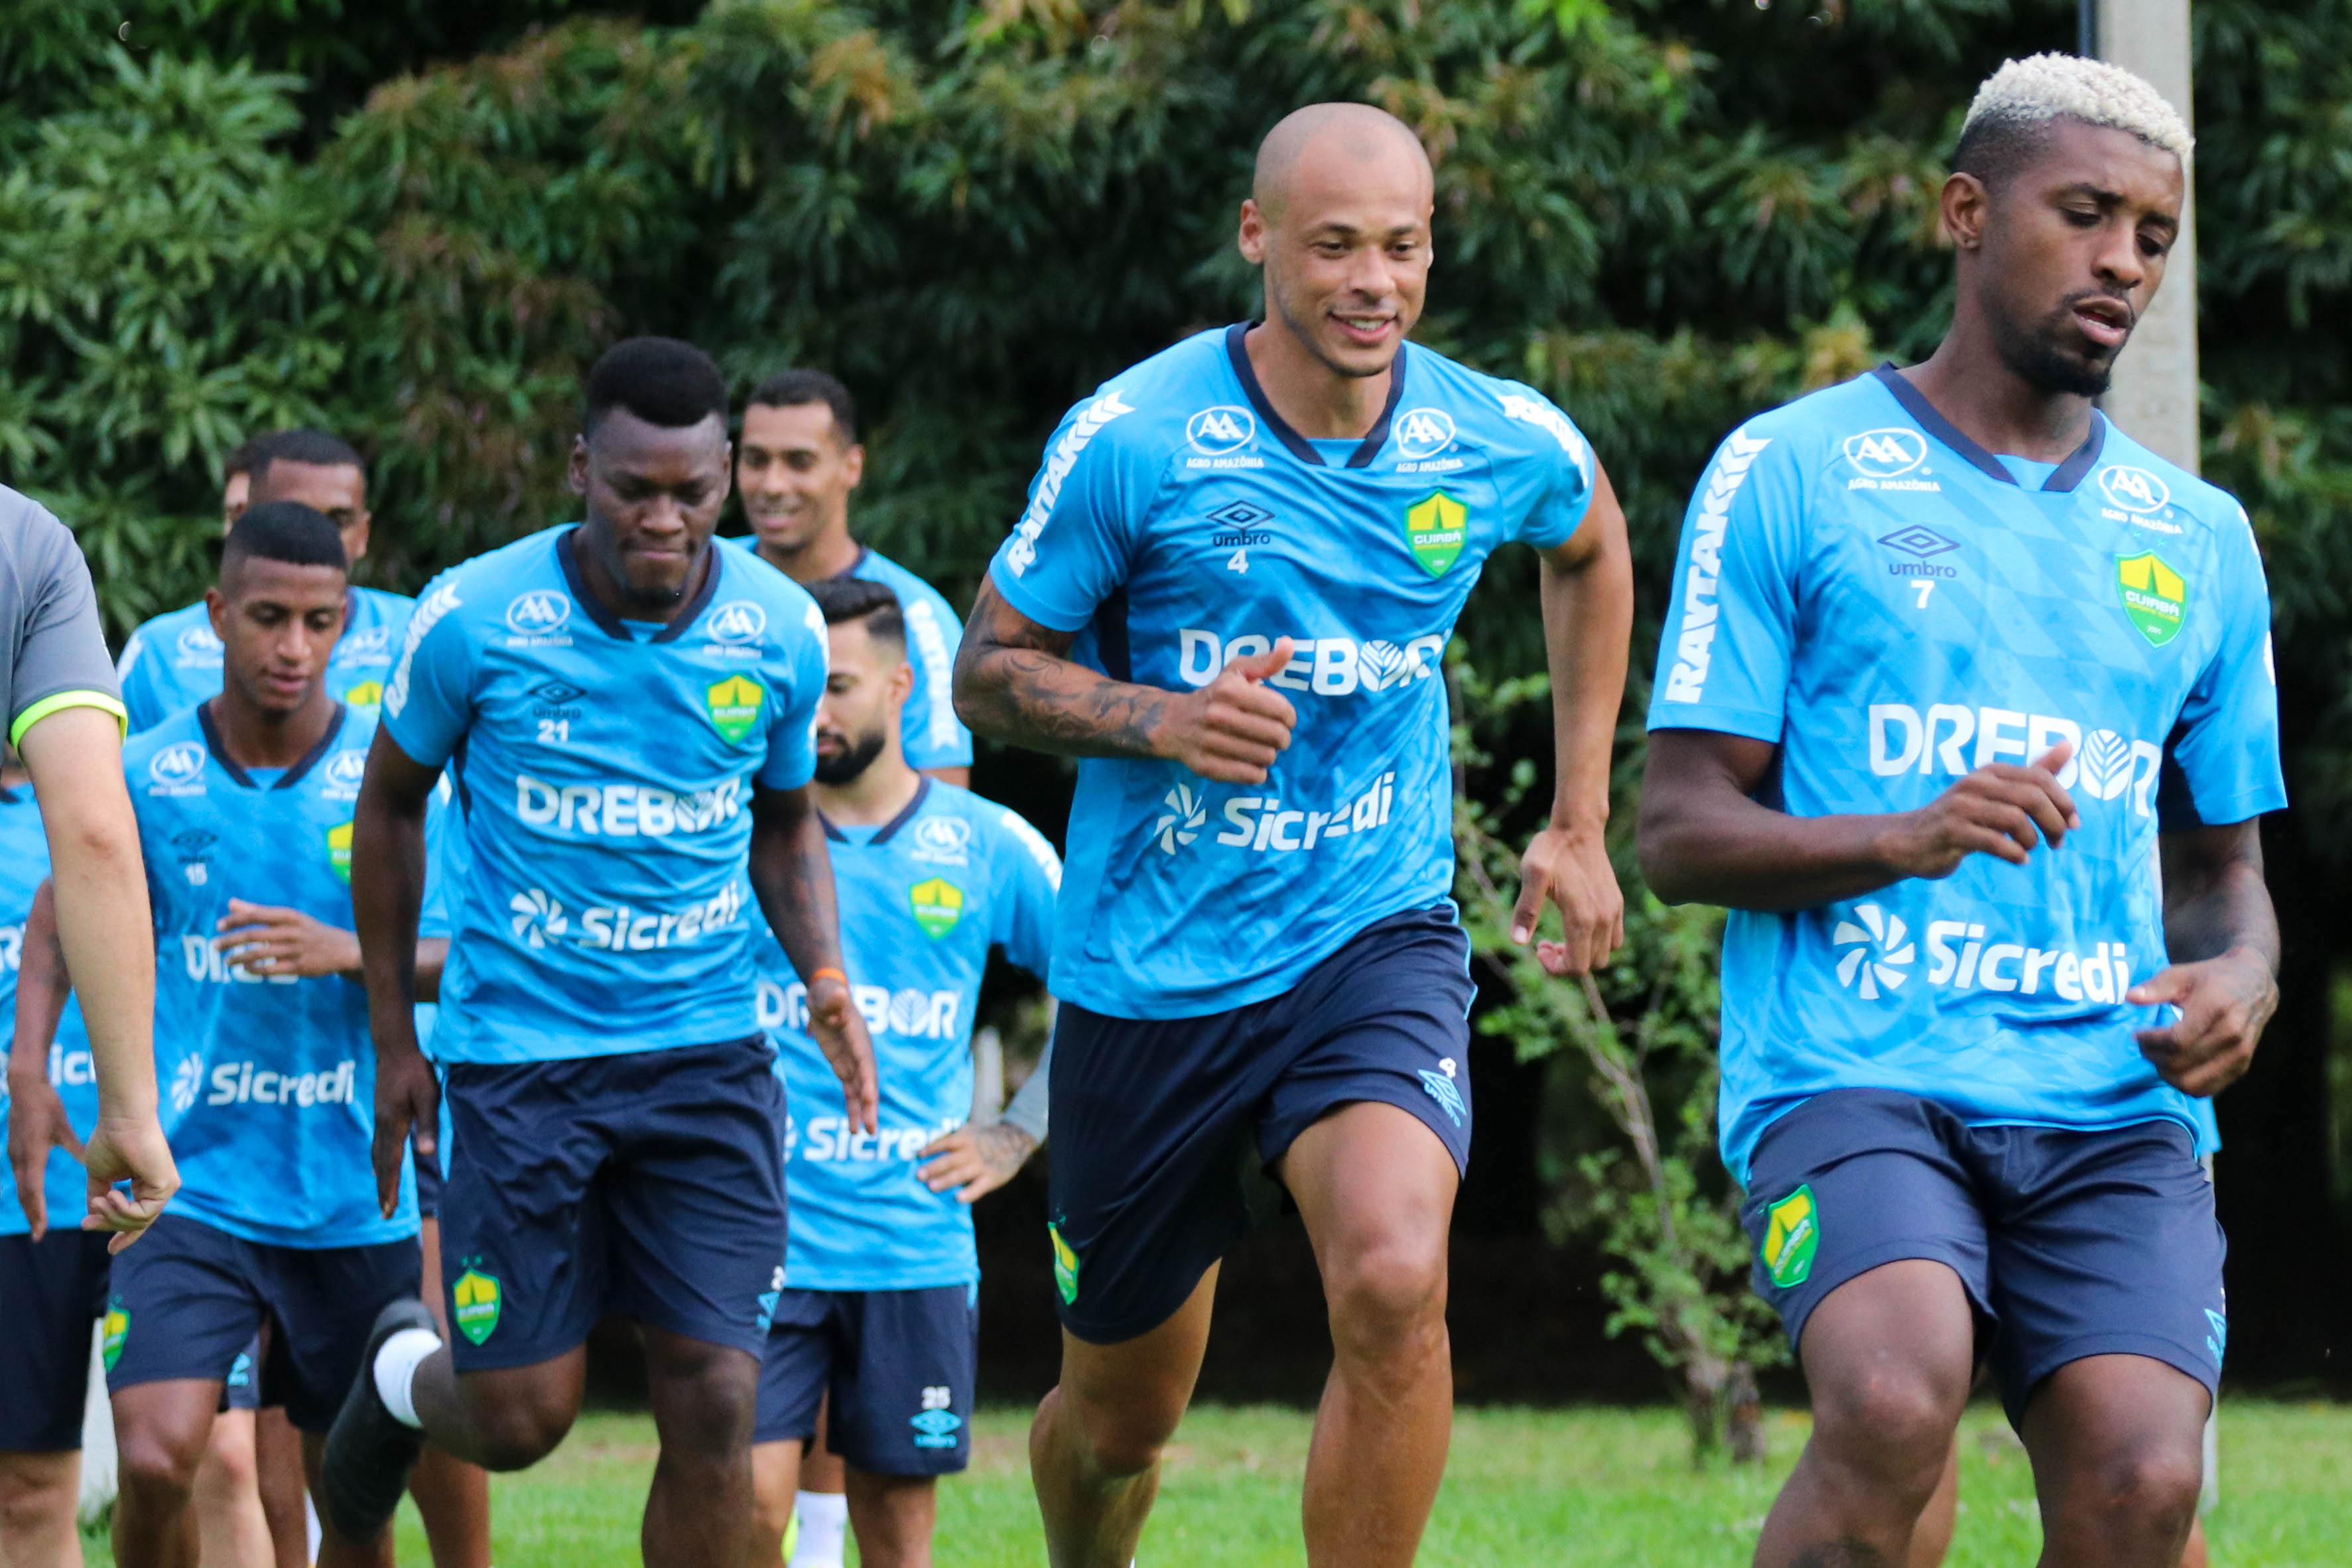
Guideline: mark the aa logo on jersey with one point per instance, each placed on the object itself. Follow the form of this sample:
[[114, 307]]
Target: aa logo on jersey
[[737, 622], [541, 612], [943, 840], [366, 695], [176, 766], [198, 646], [339, 849], [2155, 596], [1792, 1231], [938, 905], [1883, 453], [1214, 432], [1066, 1266], [118, 1329], [734, 707], [474, 1303], [1434, 529], [344, 770], [2134, 490], [1424, 433]]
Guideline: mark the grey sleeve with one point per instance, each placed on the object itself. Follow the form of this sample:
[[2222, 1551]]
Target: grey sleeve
[[48, 620], [1027, 1108]]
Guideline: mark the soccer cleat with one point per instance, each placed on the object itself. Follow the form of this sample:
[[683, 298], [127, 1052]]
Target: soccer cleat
[[370, 1451]]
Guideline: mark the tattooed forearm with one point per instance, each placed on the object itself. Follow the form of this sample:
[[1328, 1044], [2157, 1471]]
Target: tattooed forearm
[[1014, 681]]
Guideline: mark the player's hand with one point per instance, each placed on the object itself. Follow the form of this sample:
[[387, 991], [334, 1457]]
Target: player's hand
[[1230, 730], [264, 940], [975, 1159], [2002, 809], [840, 1032], [127, 1148], [2224, 1003], [37, 1124], [408, 1101], [1569, 866]]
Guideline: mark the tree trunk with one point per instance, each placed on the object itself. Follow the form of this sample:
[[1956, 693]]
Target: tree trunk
[[1743, 1427]]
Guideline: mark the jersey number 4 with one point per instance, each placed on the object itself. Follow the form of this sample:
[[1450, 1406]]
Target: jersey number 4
[[1238, 561]]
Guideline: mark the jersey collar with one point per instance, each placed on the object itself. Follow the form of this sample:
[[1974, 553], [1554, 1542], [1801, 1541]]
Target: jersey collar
[[286, 779], [2067, 475], [883, 834], [1298, 446], [672, 630]]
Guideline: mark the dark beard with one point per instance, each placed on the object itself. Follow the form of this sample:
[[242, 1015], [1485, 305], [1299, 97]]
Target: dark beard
[[843, 767], [2034, 353]]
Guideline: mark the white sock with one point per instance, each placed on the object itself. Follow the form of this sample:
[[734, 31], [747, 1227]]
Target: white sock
[[395, 1370], [825, 1529]]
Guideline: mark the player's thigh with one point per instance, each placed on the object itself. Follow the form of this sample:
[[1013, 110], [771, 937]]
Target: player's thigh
[[2110, 1246], [2108, 1429], [184, 1306], [902, 1395], [51, 1291], [323, 1303], [1375, 1186]]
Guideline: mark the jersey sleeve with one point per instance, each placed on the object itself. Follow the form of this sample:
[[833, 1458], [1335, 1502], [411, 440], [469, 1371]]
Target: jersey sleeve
[[1566, 467], [792, 727], [2221, 760], [928, 730], [61, 660], [1029, 878], [137, 672], [1723, 660], [429, 704], [1070, 551]]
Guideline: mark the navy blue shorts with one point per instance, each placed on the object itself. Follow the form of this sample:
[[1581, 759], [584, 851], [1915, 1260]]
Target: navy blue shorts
[[188, 1299], [2070, 1244], [649, 1184], [1164, 1129], [51, 1291], [430, 1172], [901, 1365]]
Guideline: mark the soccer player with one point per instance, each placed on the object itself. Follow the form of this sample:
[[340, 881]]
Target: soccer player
[[173, 661], [1964, 707], [799, 461], [1231, 596], [244, 806], [629, 712], [237, 479], [881, 1280]]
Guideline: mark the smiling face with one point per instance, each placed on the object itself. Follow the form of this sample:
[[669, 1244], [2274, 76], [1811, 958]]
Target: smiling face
[[796, 473], [653, 495], [278, 624], [1340, 220], [2063, 254]]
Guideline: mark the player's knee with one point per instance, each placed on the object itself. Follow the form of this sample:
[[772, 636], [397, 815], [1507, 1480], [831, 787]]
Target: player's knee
[[1893, 1420], [1119, 1437], [706, 1400], [520, 1428], [1388, 1299], [34, 1495], [152, 1467], [2150, 1484]]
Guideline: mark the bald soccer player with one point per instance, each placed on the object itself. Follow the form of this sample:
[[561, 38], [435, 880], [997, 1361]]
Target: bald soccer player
[[1230, 595]]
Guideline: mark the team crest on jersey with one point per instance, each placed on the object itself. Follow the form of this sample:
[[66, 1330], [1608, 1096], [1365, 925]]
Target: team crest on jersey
[[943, 840], [475, 1299], [937, 904], [734, 706], [339, 849], [117, 1329], [2155, 596], [1792, 1231], [1065, 1265], [1435, 528], [177, 769], [367, 696]]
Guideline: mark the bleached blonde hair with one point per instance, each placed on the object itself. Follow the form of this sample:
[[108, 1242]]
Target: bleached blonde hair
[[2018, 101]]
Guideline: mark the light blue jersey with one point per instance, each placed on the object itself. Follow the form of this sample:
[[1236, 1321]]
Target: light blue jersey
[[269, 1084], [923, 898], [24, 865], [929, 732], [605, 774], [1895, 607], [175, 660], [1179, 523]]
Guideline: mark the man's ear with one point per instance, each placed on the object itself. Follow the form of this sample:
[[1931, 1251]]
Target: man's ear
[[1252, 237], [854, 462], [216, 610], [1966, 204], [355, 537], [579, 465]]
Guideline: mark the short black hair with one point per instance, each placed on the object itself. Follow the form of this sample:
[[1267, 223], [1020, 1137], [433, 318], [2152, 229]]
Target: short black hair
[[661, 381], [242, 456], [317, 448], [284, 530], [798, 388], [844, 599]]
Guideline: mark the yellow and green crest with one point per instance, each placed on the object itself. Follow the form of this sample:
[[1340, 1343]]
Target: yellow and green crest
[[339, 849], [1793, 1230], [2155, 596], [938, 905], [473, 1301], [1066, 1266], [1434, 529], [365, 695], [118, 1329], [734, 707]]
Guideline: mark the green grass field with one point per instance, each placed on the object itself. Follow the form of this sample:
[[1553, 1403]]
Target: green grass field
[[1524, 1487]]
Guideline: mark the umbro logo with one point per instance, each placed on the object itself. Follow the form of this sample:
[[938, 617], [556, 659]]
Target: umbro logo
[[1240, 514], [1918, 543], [557, 693]]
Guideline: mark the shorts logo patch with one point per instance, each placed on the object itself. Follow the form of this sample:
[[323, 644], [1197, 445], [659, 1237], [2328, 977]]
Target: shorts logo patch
[[766, 1317], [1791, 1233], [936, 1426], [1066, 1266], [734, 707], [1434, 529], [2218, 1339], [475, 1299], [937, 904], [118, 1329], [1440, 1086], [2155, 596], [240, 1371], [339, 849]]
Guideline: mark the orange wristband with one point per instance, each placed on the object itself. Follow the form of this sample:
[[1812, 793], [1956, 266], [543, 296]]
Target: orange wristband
[[832, 974]]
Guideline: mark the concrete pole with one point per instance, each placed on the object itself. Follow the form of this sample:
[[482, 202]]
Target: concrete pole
[[2155, 392]]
